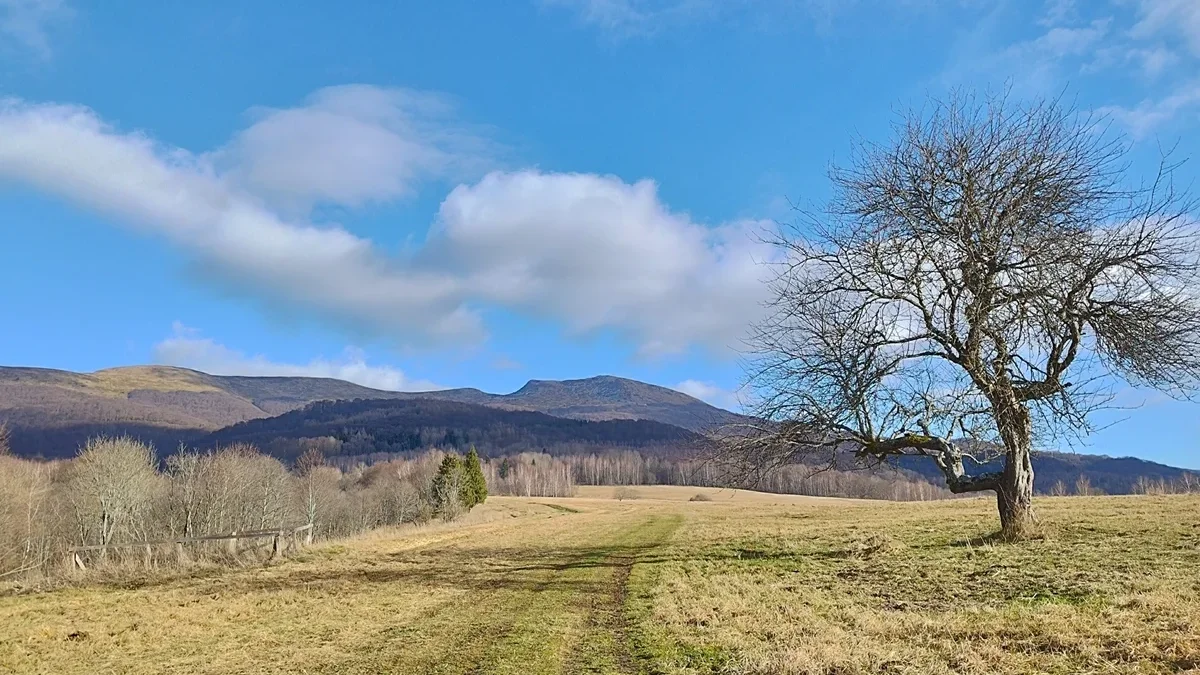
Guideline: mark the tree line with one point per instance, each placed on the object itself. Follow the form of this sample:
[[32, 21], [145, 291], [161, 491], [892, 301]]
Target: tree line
[[117, 491]]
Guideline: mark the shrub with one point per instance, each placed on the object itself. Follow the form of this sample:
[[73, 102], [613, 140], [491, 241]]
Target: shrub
[[624, 492], [700, 497]]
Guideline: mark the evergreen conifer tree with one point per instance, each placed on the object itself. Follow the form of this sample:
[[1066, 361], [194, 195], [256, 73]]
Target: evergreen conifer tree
[[448, 487], [474, 484]]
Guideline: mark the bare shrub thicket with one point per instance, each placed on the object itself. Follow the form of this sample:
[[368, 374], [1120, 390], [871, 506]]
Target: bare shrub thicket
[[625, 492], [1188, 483], [116, 492]]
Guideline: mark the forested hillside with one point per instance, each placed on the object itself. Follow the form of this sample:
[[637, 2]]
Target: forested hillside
[[373, 430]]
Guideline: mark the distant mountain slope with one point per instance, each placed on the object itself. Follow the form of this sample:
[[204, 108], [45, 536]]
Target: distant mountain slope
[[1112, 475], [364, 430], [53, 411], [608, 397]]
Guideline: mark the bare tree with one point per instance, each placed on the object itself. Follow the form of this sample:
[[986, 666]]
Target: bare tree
[[979, 283], [306, 467], [111, 484], [1083, 486]]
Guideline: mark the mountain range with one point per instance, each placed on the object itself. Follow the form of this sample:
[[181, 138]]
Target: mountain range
[[52, 412]]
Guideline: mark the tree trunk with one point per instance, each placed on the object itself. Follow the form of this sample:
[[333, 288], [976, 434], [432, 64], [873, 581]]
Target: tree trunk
[[1014, 494]]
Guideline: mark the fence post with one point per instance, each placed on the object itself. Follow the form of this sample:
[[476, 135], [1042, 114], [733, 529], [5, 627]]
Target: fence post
[[149, 556], [179, 555], [308, 535], [275, 545]]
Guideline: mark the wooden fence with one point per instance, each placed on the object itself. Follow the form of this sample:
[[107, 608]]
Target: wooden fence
[[279, 540]]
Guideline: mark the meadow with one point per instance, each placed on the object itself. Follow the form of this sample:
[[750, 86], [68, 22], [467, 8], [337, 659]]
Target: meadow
[[661, 582]]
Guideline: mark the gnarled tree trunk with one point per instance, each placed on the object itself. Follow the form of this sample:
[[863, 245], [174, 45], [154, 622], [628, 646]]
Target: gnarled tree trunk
[[1014, 490], [1014, 494]]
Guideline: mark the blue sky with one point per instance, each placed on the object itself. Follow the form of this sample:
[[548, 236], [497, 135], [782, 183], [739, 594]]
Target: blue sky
[[477, 194]]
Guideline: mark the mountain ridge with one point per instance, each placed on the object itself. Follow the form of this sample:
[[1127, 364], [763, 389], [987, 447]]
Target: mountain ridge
[[52, 411]]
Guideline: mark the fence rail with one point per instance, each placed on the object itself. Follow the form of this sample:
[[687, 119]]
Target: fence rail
[[277, 543]]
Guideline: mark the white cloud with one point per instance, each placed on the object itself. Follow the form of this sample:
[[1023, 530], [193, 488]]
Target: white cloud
[[631, 17], [710, 393], [1169, 18], [359, 144], [26, 22], [68, 151], [1035, 65], [187, 349], [1167, 33], [1149, 115], [597, 252], [1155, 42], [505, 363], [592, 251], [1154, 61]]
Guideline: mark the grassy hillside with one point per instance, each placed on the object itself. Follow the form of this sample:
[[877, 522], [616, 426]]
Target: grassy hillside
[[769, 586], [51, 412]]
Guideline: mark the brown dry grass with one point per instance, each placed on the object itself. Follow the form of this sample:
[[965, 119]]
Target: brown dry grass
[[663, 585], [683, 493], [121, 381]]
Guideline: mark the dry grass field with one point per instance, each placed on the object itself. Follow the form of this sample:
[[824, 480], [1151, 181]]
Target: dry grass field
[[661, 584]]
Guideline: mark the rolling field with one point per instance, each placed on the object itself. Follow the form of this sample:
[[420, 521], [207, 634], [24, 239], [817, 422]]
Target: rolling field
[[744, 583]]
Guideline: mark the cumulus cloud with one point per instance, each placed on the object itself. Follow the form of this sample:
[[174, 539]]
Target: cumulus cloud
[[597, 252], [710, 393], [591, 251], [360, 144], [69, 151], [186, 348], [27, 22]]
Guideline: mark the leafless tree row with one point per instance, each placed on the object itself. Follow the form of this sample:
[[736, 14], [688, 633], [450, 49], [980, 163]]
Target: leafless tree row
[[1186, 484], [116, 492], [632, 468], [530, 475]]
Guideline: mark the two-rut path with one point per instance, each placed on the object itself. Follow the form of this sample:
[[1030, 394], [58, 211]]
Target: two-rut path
[[535, 588]]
